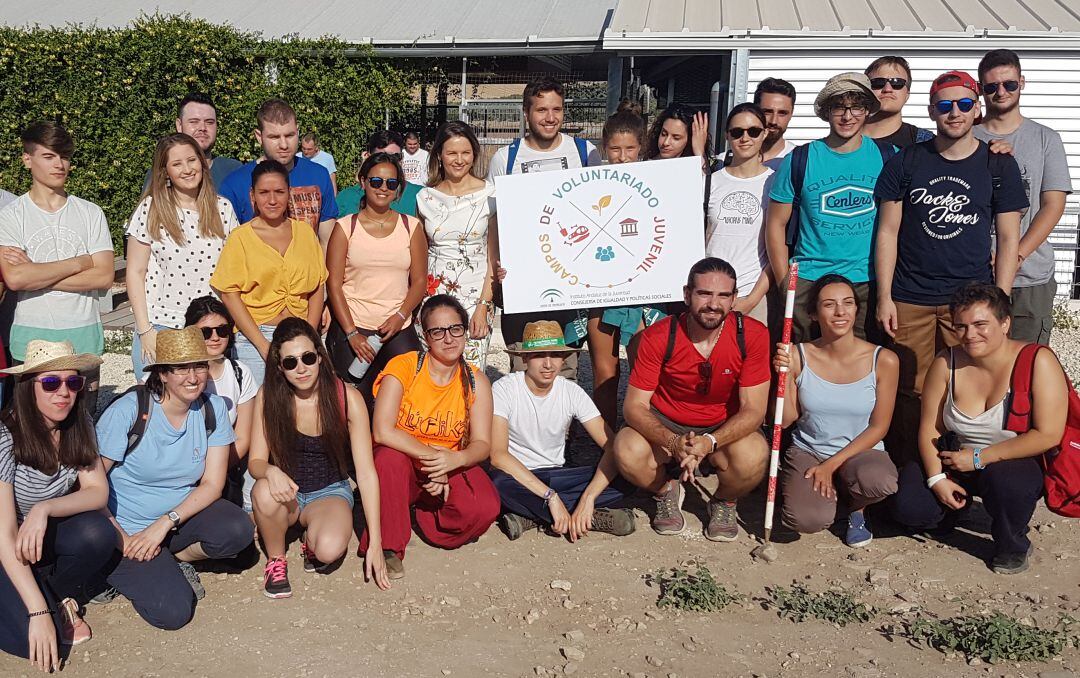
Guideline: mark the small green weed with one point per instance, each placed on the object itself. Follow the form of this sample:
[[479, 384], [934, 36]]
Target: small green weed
[[799, 604], [993, 637], [1064, 317], [118, 341], [694, 592]]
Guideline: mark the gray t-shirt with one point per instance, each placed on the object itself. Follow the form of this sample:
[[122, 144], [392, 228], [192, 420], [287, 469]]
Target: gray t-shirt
[[1043, 167], [31, 485]]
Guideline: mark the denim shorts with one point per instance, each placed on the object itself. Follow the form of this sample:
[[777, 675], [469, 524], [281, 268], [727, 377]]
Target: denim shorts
[[341, 488]]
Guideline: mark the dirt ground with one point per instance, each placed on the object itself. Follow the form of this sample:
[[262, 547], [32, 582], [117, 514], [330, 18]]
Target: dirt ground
[[490, 609]]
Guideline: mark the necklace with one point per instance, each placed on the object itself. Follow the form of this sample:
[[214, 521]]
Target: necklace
[[381, 223]]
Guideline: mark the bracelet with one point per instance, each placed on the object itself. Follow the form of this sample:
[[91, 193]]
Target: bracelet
[[350, 335], [712, 438], [146, 331], [39, 613], [671, 443], [976, 457], [402, 315], [548, 495], [933, 480]]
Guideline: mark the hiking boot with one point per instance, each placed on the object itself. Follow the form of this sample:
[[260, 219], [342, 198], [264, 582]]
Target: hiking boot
[[723, 522], [395, 569], [276, 579], [669, 518], [514, 525], [193, 579], [858, 534], [106, 596], [73, 630], [619, 522], [1010, 563], [311, 563]]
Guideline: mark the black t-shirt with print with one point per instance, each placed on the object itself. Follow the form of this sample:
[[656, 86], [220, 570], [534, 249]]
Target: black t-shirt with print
[[949, 207], [905, 136]]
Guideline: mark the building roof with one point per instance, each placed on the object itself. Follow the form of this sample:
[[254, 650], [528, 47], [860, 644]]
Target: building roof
[[797, 24], [416, 27]]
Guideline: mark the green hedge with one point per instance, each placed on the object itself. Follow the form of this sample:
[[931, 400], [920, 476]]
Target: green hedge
[[116, 90]]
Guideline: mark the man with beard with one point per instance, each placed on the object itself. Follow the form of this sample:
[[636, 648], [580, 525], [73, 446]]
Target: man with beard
[[697, 397], [890, 78], [940, 202], [776, 99], [1045, 171], [197, 117]]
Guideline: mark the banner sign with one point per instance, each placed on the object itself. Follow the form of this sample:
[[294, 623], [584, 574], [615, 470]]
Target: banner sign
[[614, 235]]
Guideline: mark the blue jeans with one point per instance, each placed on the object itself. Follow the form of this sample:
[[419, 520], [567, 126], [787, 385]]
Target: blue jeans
[[249, 355], [341, 489], [137, 363], [568, 482]]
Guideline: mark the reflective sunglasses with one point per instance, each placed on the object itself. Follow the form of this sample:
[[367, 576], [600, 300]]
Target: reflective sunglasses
[[945, 106], [51, 383], [705, 373], [896, 83], [992, 87], [377, 182], [289, 362], [738, 132], [438, 333], [223, 331]]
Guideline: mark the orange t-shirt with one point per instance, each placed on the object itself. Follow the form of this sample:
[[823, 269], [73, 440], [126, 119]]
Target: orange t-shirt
[[434, 415]]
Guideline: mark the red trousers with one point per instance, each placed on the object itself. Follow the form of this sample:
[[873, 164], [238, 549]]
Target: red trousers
[[470, 510]]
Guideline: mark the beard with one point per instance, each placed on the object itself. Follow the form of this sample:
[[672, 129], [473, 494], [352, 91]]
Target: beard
[[708, 323]]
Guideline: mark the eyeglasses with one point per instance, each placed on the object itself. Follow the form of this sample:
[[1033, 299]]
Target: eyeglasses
[[738, 132], [895, 83], [377, 182], [704, 371], [51, 384], [437, 333], [223, 331], [856, 110], [193, 368], [992, 87], [945, 106], [289, 362]]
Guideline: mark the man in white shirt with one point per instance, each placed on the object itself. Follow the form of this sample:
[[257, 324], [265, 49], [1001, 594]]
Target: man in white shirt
[[776, 98], [310, 149], [414, 162], [533, 410]]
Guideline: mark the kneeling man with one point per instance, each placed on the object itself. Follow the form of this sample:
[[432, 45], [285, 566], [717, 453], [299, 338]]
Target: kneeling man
[[697, 397]]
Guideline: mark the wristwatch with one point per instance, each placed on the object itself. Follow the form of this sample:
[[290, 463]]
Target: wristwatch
[[175, 518]]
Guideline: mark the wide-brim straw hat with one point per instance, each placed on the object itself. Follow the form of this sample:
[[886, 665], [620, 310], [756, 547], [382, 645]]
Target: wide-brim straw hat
[[543, 336], [180, 347], [53, 356], [846, 83]]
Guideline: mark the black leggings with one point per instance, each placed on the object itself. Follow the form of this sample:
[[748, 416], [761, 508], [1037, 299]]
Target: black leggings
[[341, 354]]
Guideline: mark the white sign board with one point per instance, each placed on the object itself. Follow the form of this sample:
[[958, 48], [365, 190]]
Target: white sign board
[[612, 235]]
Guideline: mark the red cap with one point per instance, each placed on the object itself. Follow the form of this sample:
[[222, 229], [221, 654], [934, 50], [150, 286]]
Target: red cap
[[954, 79]]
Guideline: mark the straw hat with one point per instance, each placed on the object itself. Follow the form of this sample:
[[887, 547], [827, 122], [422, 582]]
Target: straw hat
[[543, 336], [180, 347], [53, 356], [845, 83]]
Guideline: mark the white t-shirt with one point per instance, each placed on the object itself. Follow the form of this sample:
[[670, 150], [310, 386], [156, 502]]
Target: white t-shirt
[[538, 425], [231, 392], [6, 197], [736, 231], [563, 156], [415, 166], [774, 163], [175, 275], [77, 228]]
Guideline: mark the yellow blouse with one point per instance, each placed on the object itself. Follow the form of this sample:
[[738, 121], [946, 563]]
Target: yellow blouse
[[268, 282]]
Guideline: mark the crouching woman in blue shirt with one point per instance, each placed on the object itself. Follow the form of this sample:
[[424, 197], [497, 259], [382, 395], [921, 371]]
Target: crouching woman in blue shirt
[[165, 491]]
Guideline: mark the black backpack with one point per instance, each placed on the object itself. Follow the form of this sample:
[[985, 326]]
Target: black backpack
[[138, 427], [673, 327], [995, 164]]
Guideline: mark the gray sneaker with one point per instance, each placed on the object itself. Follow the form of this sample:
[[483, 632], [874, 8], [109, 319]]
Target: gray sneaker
[[669, 518], [619, 522], [192, 578], [723, 523], [514, 525], [105, 597]]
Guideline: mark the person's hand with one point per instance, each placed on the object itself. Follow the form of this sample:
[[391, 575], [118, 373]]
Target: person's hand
[[478, 324], [962, 460], [149, 345], [363, 350], [886, 315], [560, 517], [32, 534], [949, 493], [42, 637], [15, 256], [438, 486], [375, 565], [146, 544], [581, 520], [439, 462], [282, 487], [391, 326], [500, 272], [781, 359], [1001, 146], [821, 477], [699, 133]]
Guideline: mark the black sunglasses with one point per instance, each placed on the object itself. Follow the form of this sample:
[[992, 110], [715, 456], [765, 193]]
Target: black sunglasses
[[289, 362], [945, 106], [992, 87], [704, 371], [438, 333], [896, 83], [223, 331], [51, 384], [738, 132], [377, 182]]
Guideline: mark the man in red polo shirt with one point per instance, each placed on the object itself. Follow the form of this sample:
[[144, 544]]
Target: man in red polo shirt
[[697, 396]]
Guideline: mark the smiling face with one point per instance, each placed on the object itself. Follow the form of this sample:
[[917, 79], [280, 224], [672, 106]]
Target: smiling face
[[622, 147], [545, 115], [456, 156], [847, 115], [184, 167], [674, 136], [955, 124], [55, 406], [303, 377], [746, 146], [270, 196], [279, 140], [710, 299], [379, 198], [836, 310], [199, 121], [892, 100], [778, 109], [412, 145], [47, 167], [979, 331], [217, 344], [184, 382]]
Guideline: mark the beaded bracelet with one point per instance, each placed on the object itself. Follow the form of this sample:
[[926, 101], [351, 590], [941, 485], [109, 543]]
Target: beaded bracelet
[[976, 458], [39, 613]]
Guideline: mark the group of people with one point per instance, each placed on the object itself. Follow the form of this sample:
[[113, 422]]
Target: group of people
[[298, 348]]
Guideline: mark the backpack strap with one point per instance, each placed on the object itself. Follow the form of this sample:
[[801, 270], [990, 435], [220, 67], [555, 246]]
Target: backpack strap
[[673, 328], [209, 418], [740, 334], [408, 225], [1018, 414], [799, 157], [907, 168], [995, 162], [420, 355], [238, 372], [142, 416], [922, 135], [886, 150], [511, 154], [582, 150]]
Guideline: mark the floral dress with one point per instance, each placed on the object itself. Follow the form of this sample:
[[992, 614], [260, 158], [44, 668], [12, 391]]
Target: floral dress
[[457, 232]]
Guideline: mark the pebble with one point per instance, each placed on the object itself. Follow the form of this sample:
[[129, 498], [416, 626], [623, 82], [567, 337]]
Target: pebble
[[561, 585], [446, 672], [451, 601], [575, 636], [570, 668], [572, 653], [877, 576], [532, 615], [654, 661]]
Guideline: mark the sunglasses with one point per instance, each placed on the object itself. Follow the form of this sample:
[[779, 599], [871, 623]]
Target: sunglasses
[[704, 371], [223, 331], [738, 132], [438, 333], [945, 106], [377, 182], [51, 384], [992, 87], [895, 83], [289, 362]]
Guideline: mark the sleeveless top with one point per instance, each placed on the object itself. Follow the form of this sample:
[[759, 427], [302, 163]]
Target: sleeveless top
[[832, 414], [376, 271], [313, 468], [982, 430]]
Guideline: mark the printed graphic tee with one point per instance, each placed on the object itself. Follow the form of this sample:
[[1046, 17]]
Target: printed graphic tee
[[563, 156], [415, 166], [945, 233], [433, 414], [736, 230], [311, 196]]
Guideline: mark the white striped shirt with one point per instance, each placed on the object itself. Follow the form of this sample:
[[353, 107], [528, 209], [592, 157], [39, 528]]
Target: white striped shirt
[[31, 485]]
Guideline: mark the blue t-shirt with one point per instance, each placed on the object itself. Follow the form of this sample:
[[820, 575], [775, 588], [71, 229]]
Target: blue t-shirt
[[311, 196], [837, 212], [162, 471], [945, 234]]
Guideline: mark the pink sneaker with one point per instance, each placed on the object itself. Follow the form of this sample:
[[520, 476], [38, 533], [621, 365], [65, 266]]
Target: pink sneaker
[[74, 629], [276, 579]]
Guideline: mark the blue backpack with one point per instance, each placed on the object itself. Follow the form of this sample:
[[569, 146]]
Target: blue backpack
[[511, 154]]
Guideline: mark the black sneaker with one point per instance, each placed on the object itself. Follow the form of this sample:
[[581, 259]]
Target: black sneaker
[[276, 579], [514, 525], [619, 522], [193, 579], [1010, 563]]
